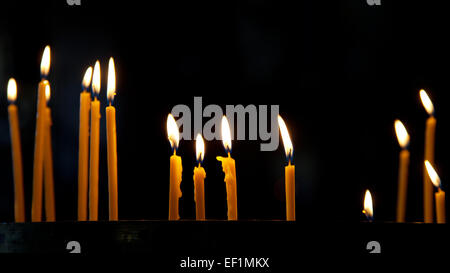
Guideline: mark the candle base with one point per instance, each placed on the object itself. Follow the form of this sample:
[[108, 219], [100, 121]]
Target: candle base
[[276, 239]]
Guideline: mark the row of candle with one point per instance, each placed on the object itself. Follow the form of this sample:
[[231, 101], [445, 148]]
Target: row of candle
[[229, 169], [43, 164], [430, 177], [88, 156]]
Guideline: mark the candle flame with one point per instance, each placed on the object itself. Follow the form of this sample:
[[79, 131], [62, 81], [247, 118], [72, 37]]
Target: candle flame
[[200, 148], [172, 132], [426, 101], [434, 177], [111, 89], [368, 205], [226, 134], [87, 78], [287, 143], [45, 62], [12, 90], [402, 134], [47, 92], [96, 82]]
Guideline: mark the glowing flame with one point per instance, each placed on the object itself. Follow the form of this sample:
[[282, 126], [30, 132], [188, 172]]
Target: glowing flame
[[434, 177], [47, 92], [200, 148], [368, 205], [402, 134], [111, 89], [226, 134], [426, 101], [12, 90], [172, 132], [87, 78], [287, 143], [45, 61], [96, 78]]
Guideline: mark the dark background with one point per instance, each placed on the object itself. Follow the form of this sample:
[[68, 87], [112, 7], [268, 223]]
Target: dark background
[[341, 71]]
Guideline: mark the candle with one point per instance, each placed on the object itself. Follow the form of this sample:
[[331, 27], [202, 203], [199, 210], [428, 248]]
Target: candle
[[95, 145], [368, 206], [229, 168], [439, 195], [175, 168], [429, 155], [48, 163], [36, 206], [403, 140], [19, 203], [289, 171], [83, 146], [111, 140], [199, 178]]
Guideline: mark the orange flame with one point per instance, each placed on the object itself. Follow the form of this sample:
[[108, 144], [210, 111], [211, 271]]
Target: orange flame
[[12, 90], [45, 61], [172, 132]]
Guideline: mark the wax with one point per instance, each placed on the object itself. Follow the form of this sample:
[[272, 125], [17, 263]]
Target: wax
[[229, 168], [429, 155], [36, 205], [440, 206], [48, 170], [402, 185], [290, 191], [19, 203], [94, 160], [176, 170], [112, 162], [83, 155], [199, 192]]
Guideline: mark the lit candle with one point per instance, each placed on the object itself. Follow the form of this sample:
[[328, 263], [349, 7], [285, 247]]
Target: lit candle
[[439, 195], [83, 147], [175, 168], [229, 168], [95, 145], [289, 171], [429, 155], [368, 206], [19, 203], [49, 196], [36, 206], [403, 140], [199, 178], [111, 139]]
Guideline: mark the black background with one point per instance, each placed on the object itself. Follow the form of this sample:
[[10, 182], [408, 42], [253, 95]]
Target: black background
[[341, 71]]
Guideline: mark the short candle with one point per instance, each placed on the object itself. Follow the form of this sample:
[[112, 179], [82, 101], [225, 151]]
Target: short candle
[[289, 170], [199, 180], [439, 195]]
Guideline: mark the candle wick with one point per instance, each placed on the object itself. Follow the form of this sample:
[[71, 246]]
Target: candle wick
[[199, 164], [229, 154]]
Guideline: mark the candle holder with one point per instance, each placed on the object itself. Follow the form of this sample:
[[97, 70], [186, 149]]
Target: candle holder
[[272, 238]]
